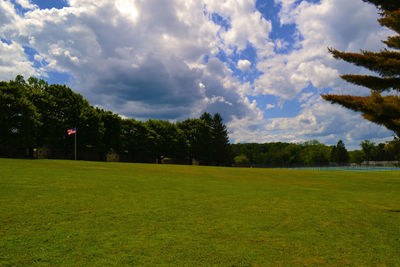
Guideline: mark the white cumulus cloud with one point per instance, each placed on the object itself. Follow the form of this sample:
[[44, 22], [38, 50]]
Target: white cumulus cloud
[[270, 106], [26, 4], [244, 65], [159, 59], [342, 24]]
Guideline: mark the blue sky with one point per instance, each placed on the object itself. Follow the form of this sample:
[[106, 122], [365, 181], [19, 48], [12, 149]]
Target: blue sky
[[261, 64]]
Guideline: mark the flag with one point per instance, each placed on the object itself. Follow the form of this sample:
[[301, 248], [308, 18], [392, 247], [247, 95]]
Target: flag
[[71, 131]]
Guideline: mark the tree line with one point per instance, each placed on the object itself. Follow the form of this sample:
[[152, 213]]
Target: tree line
[[34, 114], [312, 153]]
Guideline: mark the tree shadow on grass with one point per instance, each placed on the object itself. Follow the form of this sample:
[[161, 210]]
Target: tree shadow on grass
[[390, 210]]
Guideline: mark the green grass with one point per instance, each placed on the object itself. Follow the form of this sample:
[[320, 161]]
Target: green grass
[[99, 214]]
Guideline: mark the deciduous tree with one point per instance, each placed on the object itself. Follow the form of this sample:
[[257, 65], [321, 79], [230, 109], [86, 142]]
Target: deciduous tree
[[368, 149], [19, 119]]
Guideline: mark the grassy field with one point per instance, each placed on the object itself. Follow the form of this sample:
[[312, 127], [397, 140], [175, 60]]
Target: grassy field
[[99, 214]]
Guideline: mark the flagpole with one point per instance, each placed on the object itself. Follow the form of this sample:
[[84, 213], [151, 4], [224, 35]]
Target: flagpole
[[75, 142]]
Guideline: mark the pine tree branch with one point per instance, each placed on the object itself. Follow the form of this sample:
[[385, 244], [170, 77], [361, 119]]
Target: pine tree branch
[[391, 20], [388, 5], [393, 42], [386, 63], [384, 54], [373, 82], [383, 110]]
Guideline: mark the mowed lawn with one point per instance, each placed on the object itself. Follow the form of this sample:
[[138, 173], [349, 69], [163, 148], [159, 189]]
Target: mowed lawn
[[68, 213]]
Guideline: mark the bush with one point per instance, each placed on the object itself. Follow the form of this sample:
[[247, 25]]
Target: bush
[[241, 160]]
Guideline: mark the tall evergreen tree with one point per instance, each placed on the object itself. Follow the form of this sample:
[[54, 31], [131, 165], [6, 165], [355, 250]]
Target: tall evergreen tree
[[383, 110], [223, 154], [208, 150], [339, 153], [215, 141]]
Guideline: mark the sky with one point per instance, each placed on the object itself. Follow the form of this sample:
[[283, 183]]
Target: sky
[[261, 64]]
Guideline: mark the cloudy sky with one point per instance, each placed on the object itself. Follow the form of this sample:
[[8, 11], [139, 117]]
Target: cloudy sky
[[261, 64]]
